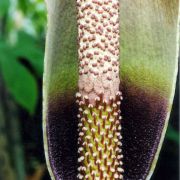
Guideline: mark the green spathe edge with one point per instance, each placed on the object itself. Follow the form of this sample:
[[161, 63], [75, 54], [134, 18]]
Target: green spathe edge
[[170, 102]]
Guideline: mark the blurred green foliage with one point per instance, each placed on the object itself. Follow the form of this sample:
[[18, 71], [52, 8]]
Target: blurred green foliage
[[172, 134], [4, 5], [19, 81], [16, 43], [22, 37]]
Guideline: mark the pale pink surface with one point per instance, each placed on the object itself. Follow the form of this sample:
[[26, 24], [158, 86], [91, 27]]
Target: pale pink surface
[[98, 36]]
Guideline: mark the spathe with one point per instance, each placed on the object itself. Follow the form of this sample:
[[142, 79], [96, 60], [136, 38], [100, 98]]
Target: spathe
[[149, 50]]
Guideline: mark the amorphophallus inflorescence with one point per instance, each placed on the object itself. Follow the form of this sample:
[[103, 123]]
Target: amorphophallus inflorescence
[[91, 129]]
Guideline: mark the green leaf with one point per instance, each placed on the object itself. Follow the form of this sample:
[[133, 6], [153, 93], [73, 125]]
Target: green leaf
[[28, 48], [19, 81], [4, 5]]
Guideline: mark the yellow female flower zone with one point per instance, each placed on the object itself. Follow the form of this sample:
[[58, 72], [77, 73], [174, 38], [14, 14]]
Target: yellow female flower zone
[[99, 98]]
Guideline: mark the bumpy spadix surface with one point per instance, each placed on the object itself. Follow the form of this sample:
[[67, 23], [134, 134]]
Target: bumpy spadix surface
[[98, 34], [100, 153]]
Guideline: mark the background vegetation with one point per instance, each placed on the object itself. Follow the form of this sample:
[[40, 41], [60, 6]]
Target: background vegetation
[[22, 41]]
